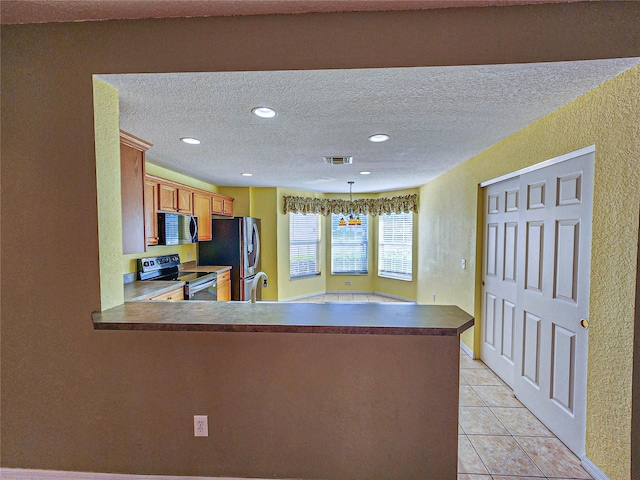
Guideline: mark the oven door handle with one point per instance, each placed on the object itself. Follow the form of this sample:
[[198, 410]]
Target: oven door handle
[[202, 286]]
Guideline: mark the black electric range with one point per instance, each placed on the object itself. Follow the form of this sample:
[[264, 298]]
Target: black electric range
[[166, 267]]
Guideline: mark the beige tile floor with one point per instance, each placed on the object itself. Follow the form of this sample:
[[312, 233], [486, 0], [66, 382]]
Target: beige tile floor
[[347, 297], [498, 438]]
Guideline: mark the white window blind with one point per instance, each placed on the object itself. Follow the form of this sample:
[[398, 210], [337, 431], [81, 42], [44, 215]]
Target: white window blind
[[304, 245], [395, 246], [349, 246]]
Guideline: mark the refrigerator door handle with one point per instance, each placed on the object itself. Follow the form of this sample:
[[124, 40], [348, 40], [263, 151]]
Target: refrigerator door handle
[[257, 241]]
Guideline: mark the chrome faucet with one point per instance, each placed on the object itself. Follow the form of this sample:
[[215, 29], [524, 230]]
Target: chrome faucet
[[254, 284]]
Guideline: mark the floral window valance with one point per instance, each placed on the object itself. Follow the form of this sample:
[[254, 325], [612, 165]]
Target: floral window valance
[[361, 206]]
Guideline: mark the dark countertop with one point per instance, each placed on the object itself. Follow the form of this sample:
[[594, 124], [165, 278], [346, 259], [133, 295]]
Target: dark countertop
[[337, 318], [139, 291]]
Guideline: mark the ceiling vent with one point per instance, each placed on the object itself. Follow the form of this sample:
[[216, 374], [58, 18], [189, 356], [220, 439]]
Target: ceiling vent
[[338, 160]]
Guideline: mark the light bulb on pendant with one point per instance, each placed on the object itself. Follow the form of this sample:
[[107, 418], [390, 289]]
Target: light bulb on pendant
[[351, 221]]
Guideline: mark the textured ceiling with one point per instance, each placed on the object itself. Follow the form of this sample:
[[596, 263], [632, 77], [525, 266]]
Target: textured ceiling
[[437, 118], [39, 11]]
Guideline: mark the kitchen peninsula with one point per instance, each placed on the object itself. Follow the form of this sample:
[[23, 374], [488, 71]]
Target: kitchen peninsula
[[349, 391]]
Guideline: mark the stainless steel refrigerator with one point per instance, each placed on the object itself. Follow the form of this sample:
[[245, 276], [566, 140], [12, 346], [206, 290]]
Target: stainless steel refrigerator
[[236, 242]]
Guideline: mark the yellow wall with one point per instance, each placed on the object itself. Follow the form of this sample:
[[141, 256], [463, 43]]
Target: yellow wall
[[608, 117], [241, 199], [162, 172], [398, 288], [107, 141], [264, 204], [290, 289]]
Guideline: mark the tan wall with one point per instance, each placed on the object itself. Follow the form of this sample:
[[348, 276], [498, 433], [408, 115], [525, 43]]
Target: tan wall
[[635, 414], [608, 117], [123, 401]]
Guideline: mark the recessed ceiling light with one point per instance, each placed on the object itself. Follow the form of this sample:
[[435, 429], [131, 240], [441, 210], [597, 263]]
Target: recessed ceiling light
[[190, 140], [264, 112], [247, 174], [365, 173], [379, 137]]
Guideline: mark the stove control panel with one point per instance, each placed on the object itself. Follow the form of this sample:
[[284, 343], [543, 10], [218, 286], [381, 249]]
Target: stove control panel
[[150, 264]]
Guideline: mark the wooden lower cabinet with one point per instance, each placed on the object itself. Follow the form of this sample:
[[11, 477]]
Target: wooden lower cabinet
[[172, 296], [224, 286], [202, 210]]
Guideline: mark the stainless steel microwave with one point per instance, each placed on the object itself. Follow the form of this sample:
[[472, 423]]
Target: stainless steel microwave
[[175, 229]]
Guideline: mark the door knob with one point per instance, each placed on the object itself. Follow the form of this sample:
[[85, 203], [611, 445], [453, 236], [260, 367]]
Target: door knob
[[584, 323]]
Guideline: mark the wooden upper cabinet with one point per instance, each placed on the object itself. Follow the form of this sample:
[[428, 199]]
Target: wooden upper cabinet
[[202, 210], [221, 205], [132, 184], [167, 197], [174, 197], [185, 201], [150, 211]]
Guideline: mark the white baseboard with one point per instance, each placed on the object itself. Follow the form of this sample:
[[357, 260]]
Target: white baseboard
[[345, 292], [26, 474], [397, 297], [467, 350], [593, 470], [300, 297]]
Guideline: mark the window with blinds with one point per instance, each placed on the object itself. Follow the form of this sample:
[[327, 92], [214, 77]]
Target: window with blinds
[[395, 246], [304, 245], [349, 246]]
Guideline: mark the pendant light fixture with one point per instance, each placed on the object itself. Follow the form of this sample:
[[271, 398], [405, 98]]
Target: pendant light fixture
[[352, 221]]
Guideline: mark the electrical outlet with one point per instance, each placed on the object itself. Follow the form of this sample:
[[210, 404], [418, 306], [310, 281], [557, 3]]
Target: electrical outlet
[[434, 298], [463, 264], [200, 426], [188, 255], [348, 282]]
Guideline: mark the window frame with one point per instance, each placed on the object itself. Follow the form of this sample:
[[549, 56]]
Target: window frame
[[399, 274], [317, 242], [335, 218]]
